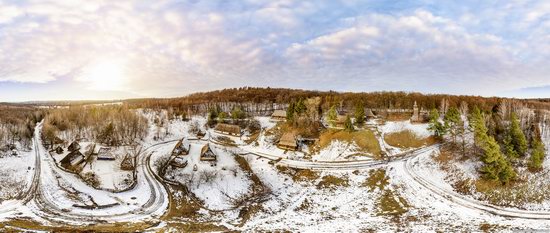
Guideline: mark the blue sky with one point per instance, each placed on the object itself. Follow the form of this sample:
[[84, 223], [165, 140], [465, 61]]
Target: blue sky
[[123, 49]]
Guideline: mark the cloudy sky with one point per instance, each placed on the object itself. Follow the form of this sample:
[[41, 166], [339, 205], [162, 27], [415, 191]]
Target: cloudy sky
[[119, 49]]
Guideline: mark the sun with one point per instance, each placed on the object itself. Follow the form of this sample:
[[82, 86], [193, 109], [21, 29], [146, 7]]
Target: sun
[[106, 75]]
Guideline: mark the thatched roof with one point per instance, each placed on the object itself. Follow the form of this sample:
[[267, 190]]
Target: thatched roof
[[207, 153], [104, 153], [279, 114], [288, 140], [227, 128], [369, 113], [182, 147]]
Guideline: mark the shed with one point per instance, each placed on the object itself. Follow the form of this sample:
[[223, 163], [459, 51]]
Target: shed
[[288, 142], [104, 153], [279, 115], [228, 129], [369, 114], [207, 154], [59, 150]]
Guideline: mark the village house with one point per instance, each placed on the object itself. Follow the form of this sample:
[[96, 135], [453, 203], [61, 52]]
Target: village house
[[288, 142], [369, 115], [181, 148], [178, 162], [233, 130], [278, 115], [127, 163], [72, 160], [207, 154], [104, 153]]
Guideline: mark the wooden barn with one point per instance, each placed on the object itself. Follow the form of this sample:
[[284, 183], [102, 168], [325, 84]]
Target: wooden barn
[[288, 142], [228, 129], [207, 154], [278, 115], [72, 160], [181, 148], [127, 163], [104, 153]]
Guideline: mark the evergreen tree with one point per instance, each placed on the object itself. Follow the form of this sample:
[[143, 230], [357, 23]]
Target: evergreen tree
[[495, 167], [435, 125], [290, 112], [537, 155], [453, 122], [359, 114], [332, 115], [509, 148], [518, 138], [348, 125]]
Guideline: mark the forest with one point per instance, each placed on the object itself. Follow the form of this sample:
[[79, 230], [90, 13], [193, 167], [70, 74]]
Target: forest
[[273, 98], [111, 125], [17, 125]]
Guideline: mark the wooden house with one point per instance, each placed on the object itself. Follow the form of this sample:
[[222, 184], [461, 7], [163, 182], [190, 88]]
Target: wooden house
[[207, 154], [288, 142], [127, 163], [278, 115], [179, 162], [104, 153], [72, 160], [228, 129], [181, 148]]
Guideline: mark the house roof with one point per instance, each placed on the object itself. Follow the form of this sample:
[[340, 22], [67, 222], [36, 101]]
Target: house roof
[[105, 153], [279, 113], [369, 113], [233, 129], [74, 146], [206, 151], [288, 139]]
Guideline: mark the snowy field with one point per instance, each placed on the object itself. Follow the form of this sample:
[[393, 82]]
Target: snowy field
[[16, 172]]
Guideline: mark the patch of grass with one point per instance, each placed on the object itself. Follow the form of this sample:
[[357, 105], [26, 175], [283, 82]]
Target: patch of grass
[[331, 181], [377, 179], [25, 225], [304, 175], [391, 204], [408, 139], [364, 139], [181, 204], [192, 227], [398, 116], [515, 194]]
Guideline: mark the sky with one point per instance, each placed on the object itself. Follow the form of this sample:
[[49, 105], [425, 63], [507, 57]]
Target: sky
[[80, 49]]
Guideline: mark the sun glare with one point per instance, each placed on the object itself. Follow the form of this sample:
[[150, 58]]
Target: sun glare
[[106, 75]]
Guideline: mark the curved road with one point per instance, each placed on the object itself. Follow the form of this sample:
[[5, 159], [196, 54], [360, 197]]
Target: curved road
[[462, 200], [44, 202]]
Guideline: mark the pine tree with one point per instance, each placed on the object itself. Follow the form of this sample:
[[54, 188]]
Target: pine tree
[[290, 112], [518, 138], [348, 125], [359, 114], [453, 122], [496, 167], [537, 155], [435, 125], [332, 115]]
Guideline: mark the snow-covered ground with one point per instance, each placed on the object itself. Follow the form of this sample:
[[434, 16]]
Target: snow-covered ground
[[215, 183], [16, 172], [421, 130]]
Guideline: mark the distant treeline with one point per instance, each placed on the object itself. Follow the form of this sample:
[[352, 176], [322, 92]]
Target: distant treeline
[[17, 124], [346, 100]]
